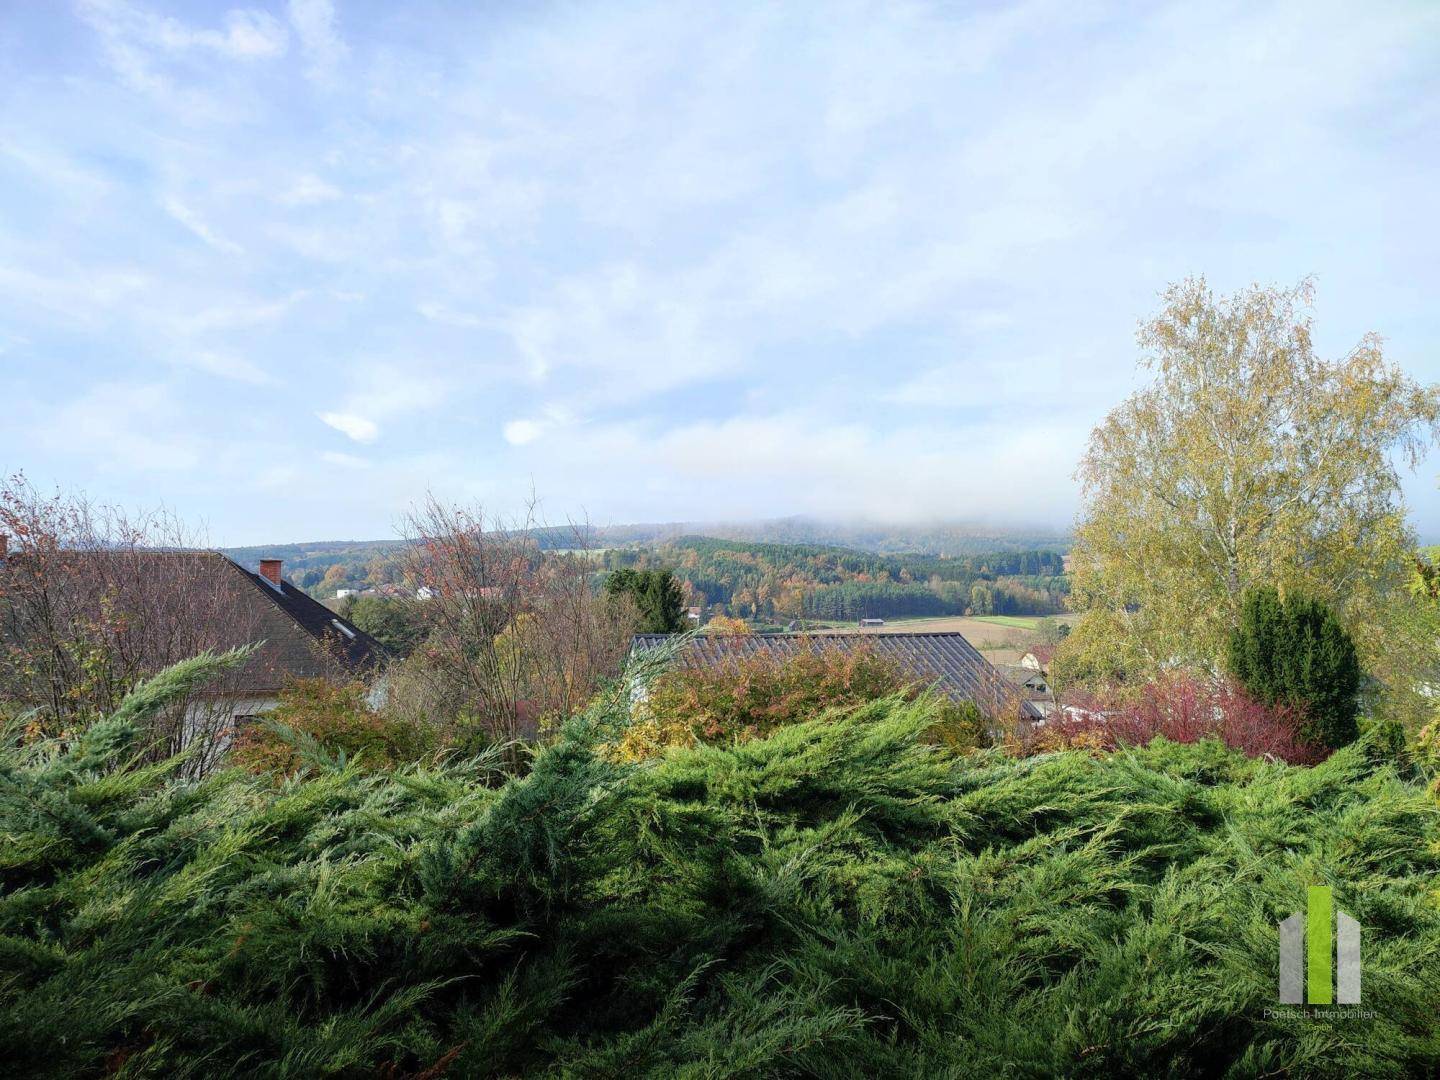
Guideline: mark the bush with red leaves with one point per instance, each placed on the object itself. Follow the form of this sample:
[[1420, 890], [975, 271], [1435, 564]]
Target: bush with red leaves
[[1184, 708]]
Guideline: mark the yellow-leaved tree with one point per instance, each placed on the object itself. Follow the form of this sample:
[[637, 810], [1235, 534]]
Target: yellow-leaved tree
[[1247, 461]]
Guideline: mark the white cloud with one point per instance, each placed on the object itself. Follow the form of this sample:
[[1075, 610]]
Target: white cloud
[[226, 366], [360, 428], [248, 34], [314, 23], [384, 389], [309, 190], [134, 33], [520, 432], [766, 465], [441, 314], [125, 428]]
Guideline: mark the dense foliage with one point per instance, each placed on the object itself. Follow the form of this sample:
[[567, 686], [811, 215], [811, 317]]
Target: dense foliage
[[315, 712], [838, 899], [1293, 651], [394, 623], [1184, 708], [1247, 461]]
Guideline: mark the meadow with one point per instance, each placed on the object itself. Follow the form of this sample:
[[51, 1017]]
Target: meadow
[[1002, 638]]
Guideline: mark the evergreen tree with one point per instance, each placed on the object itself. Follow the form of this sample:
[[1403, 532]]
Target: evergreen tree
[[656, 594], [1293, 651], [393, 623]]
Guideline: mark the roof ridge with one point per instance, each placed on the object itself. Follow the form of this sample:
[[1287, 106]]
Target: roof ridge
[[277, 596]]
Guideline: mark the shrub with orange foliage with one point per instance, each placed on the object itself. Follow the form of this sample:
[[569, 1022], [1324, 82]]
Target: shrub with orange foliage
[[338, 718], [728, 624], [755, 695]]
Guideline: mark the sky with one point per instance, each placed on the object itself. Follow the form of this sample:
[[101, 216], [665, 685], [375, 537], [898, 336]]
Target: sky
[[288, 267]]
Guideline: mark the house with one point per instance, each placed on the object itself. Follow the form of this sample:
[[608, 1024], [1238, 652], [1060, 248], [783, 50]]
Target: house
[[198, 600], [872, 622], [946, 660], [1038, 658], [1032, 684], [1030, 679], [302, 638]]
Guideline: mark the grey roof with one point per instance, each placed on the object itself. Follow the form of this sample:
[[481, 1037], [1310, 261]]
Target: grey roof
[[1021, 675], [949, 661], [303, 638]]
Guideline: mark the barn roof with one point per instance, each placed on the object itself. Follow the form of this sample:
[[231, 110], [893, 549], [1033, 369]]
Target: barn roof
[[948, 660]]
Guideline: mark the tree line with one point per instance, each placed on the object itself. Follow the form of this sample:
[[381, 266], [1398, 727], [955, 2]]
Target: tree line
[[809, 581]]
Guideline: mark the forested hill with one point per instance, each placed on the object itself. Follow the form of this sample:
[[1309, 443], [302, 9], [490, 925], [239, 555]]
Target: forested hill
[[933, 539], [816, 582]]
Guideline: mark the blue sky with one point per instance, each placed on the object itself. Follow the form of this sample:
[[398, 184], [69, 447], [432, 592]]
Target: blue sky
[[287, 267]]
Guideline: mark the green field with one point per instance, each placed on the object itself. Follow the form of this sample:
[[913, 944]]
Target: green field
[[1023, 622]]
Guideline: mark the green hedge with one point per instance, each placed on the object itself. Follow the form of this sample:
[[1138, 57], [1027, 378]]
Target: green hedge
[[838, 899]]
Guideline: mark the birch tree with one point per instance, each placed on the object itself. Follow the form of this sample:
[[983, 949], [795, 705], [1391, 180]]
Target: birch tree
[[1247, 461]]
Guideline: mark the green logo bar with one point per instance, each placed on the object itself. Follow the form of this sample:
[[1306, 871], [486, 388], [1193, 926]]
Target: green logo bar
[[1319, 953], [1320, 913]]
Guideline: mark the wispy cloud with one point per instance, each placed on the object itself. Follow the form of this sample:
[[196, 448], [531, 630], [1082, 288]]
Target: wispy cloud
[[360, 428], [192, 221], [236, 368], [315, 24], [309, 190]]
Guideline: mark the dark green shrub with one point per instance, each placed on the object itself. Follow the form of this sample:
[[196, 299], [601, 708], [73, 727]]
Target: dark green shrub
[[391, 622]]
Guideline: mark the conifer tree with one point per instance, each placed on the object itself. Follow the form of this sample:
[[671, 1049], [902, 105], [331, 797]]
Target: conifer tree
[[1293, 651], [657, 596]]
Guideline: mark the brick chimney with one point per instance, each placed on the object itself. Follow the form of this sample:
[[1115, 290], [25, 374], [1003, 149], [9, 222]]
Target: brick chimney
[[270, 570]]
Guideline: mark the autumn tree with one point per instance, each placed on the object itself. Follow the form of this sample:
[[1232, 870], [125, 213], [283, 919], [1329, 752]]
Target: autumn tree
[[509, 632], [1247, 461], [94, 598], [728, 624]]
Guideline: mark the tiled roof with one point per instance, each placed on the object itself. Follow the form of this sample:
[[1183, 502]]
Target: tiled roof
[[948, 660], [329, 640]]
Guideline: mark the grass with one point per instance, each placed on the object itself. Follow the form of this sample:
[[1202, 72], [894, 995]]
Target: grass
[[1023, 622]]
